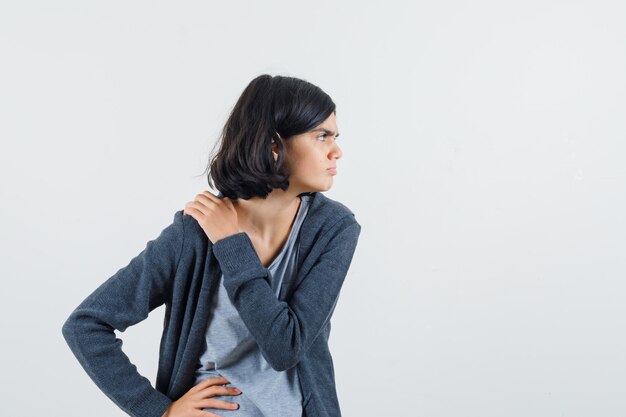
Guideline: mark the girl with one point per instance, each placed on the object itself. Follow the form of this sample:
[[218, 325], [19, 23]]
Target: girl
[[250, 277]]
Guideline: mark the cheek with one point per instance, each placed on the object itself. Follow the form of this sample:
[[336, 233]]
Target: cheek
[[306, 162]]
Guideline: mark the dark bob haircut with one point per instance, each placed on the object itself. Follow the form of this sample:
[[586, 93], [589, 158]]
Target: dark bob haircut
[[271, 108]]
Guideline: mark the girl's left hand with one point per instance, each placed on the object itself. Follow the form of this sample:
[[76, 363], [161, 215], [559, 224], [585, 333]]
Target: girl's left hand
[[217, 216]]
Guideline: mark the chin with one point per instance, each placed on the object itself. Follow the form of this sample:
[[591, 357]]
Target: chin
[[314, 188], [327, 188]]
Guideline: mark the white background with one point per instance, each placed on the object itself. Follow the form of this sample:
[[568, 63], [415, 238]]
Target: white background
[[483, 154]]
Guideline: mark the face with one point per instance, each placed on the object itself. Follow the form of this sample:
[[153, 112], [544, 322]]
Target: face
[[310, 155]]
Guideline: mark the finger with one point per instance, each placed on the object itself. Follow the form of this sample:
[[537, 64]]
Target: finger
[[199, 207], [213, 380], [209, 382], [204, 199], [214, 390], [207, 414], [190, 211], [210, 196], [213, 403], [228, 202], [209, 201], [189, 208]]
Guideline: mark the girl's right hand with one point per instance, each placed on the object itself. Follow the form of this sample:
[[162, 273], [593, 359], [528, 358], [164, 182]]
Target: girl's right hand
[[199, 397]]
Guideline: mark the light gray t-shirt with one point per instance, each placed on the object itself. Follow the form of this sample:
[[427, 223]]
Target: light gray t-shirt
[[231, 351]]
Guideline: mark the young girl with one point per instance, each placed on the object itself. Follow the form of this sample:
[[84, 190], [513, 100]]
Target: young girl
[[249, 277]]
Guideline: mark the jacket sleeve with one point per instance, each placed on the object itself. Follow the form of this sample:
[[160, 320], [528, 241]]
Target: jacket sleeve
[[126, 298], [284, 330]]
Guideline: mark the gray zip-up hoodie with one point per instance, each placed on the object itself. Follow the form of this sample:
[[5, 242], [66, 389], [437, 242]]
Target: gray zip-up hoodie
[[180, 269]]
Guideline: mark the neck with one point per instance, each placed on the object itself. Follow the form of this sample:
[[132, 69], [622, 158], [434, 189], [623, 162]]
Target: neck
[[267, 219]]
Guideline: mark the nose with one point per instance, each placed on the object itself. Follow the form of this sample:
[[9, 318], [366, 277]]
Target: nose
[[336, 152]]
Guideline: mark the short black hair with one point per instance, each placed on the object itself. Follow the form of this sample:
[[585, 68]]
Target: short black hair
[[270, 108]]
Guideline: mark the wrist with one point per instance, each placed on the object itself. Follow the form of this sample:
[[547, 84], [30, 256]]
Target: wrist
[[230, 234]]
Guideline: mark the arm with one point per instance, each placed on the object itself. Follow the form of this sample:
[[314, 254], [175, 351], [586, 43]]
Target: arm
[[126, 298], [285, 331]]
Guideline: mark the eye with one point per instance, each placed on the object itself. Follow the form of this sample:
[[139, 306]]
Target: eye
[[324, 136]]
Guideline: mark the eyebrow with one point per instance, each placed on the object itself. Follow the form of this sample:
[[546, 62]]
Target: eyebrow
[[328, 132]]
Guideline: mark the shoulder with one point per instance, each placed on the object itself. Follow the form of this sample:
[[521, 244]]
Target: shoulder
[[324, 215], [327, 211], [327, 220], [188, 227]]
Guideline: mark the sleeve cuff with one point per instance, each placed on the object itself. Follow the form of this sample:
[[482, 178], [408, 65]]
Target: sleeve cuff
[[154, 404], [236, 253]]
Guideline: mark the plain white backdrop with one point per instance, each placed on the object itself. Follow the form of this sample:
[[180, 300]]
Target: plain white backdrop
[[483, 154]]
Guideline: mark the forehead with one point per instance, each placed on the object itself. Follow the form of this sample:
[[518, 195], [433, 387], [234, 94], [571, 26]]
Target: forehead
[[328, 126]]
